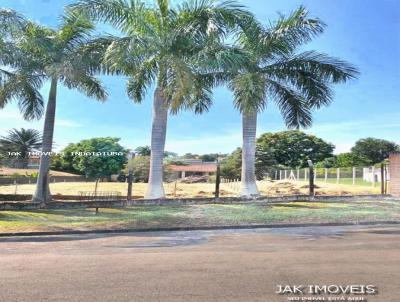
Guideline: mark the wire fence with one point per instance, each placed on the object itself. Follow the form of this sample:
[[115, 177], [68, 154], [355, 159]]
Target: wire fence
[[356, 176], [277, 182]]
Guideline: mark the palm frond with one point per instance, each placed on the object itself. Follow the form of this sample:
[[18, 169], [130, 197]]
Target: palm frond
[[296, 29], [75, 30], [87, 85], [23, 88], [128, 16], [22, 140], [11, 22], [249, 92], [293, 106], [142, 79]]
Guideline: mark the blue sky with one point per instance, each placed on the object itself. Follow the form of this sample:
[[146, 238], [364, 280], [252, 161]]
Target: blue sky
[[364, 32]]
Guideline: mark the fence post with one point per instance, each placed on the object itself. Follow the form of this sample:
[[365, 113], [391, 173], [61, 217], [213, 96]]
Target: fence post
[[337, 175], [386, 179], [326, 175], [175, 187], [382, 178], [217, 180], [130, 180], [373, 176], [354, 176], [280, 174], [298, 175], [311, 178], [305, 174]]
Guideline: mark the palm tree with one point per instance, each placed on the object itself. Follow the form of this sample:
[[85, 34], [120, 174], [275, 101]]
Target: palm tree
[[22, 141], [35, 54], [171, 48], [296, 82]]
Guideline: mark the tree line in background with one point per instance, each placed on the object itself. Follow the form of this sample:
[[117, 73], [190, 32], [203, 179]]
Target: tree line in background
[[184, 51], [292, 150], [280, 150]]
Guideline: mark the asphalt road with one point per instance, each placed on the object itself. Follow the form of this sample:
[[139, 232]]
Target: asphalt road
[[206, 266]]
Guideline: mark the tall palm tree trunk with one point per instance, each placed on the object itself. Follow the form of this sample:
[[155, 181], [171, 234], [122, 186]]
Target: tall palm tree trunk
[[42, 193], [249, 124], [155, 188]]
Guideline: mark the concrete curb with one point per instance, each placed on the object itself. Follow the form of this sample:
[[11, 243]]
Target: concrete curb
[[200, 228]]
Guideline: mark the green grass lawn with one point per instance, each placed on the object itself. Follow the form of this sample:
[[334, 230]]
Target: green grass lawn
[[348, 181], [197, 215]]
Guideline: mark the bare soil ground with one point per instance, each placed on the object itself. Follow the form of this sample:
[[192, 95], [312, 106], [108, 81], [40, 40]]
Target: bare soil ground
[[223, 266], [178, 190], [4, 171]]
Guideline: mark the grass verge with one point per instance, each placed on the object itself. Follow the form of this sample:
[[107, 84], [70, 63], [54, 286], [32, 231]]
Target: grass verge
[[153, 217]]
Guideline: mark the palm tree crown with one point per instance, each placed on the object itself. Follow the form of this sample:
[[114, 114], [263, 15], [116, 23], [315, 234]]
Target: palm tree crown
[[171, 47], [22, 141], [176, 49], [298, 82], [33, 54]]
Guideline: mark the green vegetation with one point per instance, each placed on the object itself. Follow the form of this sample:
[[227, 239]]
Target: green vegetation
[[111, 157], [291, 149], [182, 51], [197, 215], [177, 49], [349, 181], [231, 166], [139, 167], [373, 149], [21, 141], [31, 55], [347, 159], [366, 152], [278, 150]]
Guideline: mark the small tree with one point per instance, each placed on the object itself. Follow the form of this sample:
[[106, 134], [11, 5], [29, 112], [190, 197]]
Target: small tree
[[140, 167], [373, 149], [210, 157], [350, 159], [292, 148], [231, 166], [97, 157], [143, 151]]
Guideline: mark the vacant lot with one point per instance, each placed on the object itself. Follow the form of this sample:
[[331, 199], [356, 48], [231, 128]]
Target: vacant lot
[[270, 188], [5, 171], [150, 217], [206, 266]]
